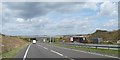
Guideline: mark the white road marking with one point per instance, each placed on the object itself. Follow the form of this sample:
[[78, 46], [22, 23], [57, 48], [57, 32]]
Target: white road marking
[[40, 45], [56, 52], [86, 52], [45, 48], [71, 59], [68, 57], [24, 57], [65, 56]]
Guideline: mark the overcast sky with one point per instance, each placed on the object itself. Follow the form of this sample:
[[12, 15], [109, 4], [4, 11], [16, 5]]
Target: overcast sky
[[58, 18]]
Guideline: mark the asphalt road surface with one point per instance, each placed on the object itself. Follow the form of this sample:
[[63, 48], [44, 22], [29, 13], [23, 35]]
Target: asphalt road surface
[[46, 51]]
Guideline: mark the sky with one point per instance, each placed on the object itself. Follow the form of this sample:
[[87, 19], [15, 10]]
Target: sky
[[58, 18]]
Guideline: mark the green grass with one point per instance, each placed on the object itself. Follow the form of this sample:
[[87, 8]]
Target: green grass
[[98, 50], [12, 53]]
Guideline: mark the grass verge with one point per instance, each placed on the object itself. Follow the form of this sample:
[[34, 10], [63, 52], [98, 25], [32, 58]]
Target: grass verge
[[12, 53], [98, 50]]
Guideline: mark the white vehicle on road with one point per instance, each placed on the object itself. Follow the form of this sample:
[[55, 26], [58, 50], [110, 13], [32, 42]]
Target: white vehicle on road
[[34, 41]]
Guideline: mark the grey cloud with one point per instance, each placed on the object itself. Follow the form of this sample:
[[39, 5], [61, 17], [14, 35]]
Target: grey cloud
[[28, 10], [36, 20]]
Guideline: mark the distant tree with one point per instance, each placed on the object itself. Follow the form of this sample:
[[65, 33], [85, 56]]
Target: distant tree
[[2, 34]]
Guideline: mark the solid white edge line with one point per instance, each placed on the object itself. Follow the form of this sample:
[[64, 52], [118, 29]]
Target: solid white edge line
[[24, 57]]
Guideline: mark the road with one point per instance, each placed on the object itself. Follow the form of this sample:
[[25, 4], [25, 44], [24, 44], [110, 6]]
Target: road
[[44, 51]]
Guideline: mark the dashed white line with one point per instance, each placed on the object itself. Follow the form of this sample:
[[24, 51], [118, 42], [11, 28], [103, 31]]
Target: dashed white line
[[56, 52], [87, 52], [45, 48], [40, 45], [65, 56], [90, 52], [69, 58], [24, 57]]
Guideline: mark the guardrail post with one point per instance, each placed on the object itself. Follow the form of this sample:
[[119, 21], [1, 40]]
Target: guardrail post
[[108, 47], [89, 48], [96, 47]]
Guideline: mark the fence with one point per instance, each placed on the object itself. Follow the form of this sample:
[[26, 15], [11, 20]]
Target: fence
[[113, 47]]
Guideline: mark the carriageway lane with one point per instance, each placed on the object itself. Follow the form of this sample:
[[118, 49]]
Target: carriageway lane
[[74, 53], [38, 51], [43, 50]]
